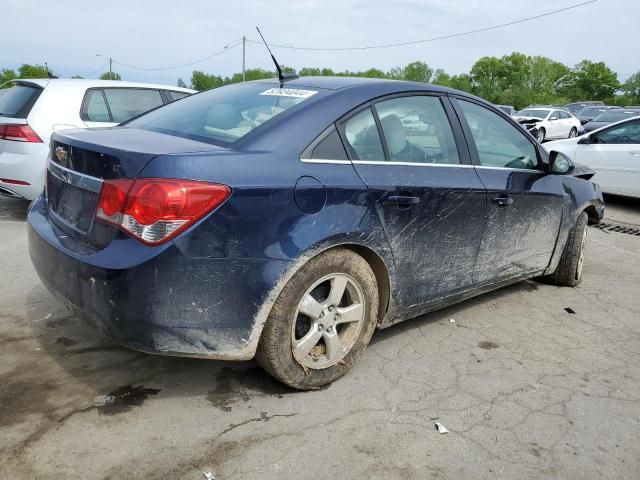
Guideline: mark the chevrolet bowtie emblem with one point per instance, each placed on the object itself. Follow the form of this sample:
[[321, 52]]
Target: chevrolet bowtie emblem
[[61, 155]]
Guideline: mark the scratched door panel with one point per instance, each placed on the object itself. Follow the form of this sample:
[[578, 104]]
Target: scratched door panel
[[519, 238], [435, 241]]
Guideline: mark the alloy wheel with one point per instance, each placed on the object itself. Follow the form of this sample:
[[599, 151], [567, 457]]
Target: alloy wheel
[[328, 321], [583, 244]]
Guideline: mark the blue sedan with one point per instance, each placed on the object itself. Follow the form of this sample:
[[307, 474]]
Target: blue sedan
[[288, 220]]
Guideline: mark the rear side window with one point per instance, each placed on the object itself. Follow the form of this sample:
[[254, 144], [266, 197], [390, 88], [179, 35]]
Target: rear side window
[[498, 142], [416, 129], [363, 139], [173, 95], [126, 103], [17, 101], [330, 148], [96, 107], [224, 115]]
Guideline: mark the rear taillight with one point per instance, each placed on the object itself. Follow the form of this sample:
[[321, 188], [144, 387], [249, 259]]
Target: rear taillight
[[155, 210], [19, 133]]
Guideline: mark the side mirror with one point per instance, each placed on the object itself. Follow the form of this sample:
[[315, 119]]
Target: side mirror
[[587, 139], [559, 163], [552, 118]]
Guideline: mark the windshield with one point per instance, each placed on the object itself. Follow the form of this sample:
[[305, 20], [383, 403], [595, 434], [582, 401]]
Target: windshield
[[222, 115], [615, 115], [16, 102], [533, 112]]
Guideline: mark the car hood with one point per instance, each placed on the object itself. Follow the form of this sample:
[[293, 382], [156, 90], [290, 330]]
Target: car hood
[[582, 171], [527, 119]]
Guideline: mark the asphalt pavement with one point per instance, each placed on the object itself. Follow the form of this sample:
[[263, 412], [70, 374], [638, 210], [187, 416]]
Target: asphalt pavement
[[532, 381]]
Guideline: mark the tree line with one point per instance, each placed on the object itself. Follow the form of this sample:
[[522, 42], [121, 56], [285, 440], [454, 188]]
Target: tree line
[[516, 79]]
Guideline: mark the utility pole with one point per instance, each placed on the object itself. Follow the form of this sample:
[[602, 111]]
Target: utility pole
[[244, 44], [110, 69]]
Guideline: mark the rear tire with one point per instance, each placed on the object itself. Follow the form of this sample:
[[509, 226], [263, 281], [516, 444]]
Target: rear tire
[[321, 322], [541, 135], [568, 273]]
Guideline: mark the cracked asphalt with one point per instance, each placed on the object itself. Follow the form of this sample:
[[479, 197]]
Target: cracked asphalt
[[525, 388]]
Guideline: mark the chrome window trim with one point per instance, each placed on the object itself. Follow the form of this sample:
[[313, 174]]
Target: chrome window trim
[[325, 160], [74, 178], [415, 164], [487, 167], [411, 164]]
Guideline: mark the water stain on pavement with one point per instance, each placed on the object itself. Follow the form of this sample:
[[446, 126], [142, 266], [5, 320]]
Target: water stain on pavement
[[123, 399], [65, 341], [236, 385], [488, 345]]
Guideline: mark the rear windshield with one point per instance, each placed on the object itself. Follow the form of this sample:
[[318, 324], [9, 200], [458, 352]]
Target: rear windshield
[[16, 102], [222, 115], [615, 115]]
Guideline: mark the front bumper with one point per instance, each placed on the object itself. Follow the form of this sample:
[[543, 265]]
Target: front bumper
[[156, 300]]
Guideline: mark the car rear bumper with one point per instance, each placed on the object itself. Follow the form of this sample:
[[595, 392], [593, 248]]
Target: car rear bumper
[[27, 165], [166, 302]]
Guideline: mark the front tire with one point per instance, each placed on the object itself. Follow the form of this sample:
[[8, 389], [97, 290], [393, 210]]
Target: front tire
[[541, 135], [321, 322], [573, 132], [568, 273]]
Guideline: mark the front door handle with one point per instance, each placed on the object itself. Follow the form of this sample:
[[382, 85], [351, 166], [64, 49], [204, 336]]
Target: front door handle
[[403, 200], [503, 201], [635, 153]]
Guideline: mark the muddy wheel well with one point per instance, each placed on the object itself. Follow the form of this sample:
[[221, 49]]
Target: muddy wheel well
[[592, 213], [380, 271]]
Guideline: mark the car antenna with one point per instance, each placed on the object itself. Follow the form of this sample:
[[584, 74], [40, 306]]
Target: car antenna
[[282, 76]]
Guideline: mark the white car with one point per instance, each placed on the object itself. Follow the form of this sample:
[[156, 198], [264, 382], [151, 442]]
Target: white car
[[31, 110], [613, 152], [550, 123]]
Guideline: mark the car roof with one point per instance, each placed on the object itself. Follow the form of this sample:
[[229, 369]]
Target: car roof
[[90, 83], [338, 83]]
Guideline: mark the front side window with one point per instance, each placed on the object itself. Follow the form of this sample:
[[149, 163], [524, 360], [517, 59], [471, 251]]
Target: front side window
[[363, 140], [126, 103], [416, 129], [226, 114], [96, 107], [499, 143], [629, 133]]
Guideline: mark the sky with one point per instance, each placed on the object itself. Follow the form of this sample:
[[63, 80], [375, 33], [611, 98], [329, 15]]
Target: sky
[[68, 34]]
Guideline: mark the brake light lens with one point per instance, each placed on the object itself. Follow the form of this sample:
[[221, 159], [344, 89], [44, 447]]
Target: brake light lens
[[19, 133], [155, 210]]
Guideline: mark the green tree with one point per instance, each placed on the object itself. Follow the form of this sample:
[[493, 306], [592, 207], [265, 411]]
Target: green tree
[[486, 78], [203, 81], [33, 71], [6, 75], [418, 72], [589, 81], [181, 83], [110, 76], [631, 89]]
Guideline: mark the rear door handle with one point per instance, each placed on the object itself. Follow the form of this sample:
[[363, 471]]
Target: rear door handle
[[635, 153], [403, 200], [502, 201]]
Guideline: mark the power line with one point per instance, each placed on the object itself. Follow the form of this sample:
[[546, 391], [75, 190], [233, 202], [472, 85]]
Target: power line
[[96, 70], [227, 47], [432, 39]]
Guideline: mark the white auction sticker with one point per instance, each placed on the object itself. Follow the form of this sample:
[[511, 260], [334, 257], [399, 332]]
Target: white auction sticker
[[289, 92]]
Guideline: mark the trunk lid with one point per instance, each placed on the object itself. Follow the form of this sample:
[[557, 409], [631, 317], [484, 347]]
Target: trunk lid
[[79, 162]]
